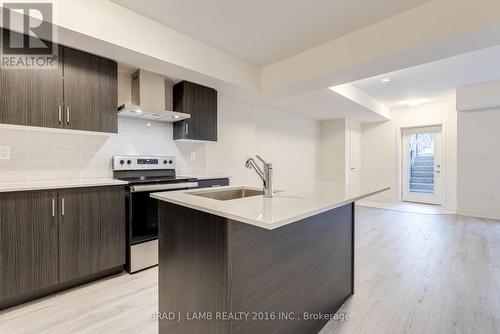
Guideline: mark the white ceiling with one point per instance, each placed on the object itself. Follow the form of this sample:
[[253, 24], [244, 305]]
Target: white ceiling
[[287, 27], [435, 80], [262, 31], [326, 104], [432, 82]]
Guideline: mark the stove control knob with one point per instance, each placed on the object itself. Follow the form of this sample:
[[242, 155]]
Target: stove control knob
[[170, 162], [165, 161], [122, 162], [129, 162]]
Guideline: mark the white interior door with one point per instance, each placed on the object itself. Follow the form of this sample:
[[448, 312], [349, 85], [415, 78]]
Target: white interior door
[[422, 167], [355, 146]]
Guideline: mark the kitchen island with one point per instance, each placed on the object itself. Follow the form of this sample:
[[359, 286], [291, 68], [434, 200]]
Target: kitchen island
[[233, 261]]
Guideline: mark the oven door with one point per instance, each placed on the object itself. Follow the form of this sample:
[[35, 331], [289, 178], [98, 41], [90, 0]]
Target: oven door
[[144, 209]]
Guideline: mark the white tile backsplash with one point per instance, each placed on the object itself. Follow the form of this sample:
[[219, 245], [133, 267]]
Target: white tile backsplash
[[37, 134], [27, 145], [45, 155], [13, 134], [8, 177]]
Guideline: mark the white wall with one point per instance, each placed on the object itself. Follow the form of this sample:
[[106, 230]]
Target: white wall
[[478, 154], [479, 97], [381, 144], [289, 141], [479, 163]]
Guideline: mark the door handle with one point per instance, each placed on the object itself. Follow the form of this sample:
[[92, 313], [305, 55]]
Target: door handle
[[60, 114], [53, 207], [187, 128], [62, 206], [67, 115]]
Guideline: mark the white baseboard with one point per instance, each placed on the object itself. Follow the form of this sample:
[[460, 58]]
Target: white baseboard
[[476, 214], [409, 207]]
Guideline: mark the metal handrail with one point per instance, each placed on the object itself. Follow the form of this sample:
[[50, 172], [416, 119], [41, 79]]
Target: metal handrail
[[413, 151]]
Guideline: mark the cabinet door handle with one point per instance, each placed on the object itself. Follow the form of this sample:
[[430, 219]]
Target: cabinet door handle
[[60, 114], [187, 129], [62, 206], [53, 207], [67, 115]]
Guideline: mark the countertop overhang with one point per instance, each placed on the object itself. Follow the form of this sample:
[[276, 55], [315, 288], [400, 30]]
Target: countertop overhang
[[286, 207], [30, 186]]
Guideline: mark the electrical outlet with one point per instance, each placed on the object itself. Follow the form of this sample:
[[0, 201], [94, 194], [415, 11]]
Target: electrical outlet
[[193, 156], [4, 152]]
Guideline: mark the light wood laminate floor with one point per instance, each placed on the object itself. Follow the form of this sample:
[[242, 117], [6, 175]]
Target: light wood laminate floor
[[415, 273]]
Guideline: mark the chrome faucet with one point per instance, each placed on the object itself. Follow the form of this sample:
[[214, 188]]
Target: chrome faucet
[[266, 175]]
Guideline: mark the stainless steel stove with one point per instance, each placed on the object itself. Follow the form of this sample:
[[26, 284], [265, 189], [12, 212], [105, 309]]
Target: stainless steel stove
[[145, 175]]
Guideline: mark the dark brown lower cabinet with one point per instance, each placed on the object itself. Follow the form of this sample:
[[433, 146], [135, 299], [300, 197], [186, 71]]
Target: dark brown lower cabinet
[[28, 242], [91, 233], [49, 239], [78, 233], [112, 228]]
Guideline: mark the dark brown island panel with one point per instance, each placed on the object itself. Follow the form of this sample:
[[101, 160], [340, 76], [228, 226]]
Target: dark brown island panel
[[209, 265]]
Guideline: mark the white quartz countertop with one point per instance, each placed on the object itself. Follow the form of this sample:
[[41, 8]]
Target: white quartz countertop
[[27, 186], [287, 206]]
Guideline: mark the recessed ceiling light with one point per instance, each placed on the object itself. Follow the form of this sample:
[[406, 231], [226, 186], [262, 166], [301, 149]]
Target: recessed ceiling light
[[414, 102], [176, 116], [386, 80], [149, 124]]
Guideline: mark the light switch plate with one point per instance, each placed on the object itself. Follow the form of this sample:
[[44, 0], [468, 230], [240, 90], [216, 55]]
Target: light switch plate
[[193, 156], [4, 152]]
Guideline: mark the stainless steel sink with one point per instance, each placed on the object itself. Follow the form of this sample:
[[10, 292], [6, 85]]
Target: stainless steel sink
[[228, 194]]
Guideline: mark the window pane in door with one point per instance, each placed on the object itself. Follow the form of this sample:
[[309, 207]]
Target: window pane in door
[[421, 163]]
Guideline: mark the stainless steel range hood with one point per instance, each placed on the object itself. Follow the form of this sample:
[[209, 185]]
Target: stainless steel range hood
[[151, 99]]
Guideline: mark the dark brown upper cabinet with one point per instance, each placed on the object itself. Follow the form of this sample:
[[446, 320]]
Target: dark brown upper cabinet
[[31, 96], [90, 92], [201, 103], [81, 94]]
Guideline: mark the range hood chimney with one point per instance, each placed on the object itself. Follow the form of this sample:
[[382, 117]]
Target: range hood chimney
[[151, 99]]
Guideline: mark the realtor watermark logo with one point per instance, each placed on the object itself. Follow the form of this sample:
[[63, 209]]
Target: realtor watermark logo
[[28, 38]]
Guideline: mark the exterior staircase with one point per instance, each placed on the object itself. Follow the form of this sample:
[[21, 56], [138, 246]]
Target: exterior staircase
[[422, 175]]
